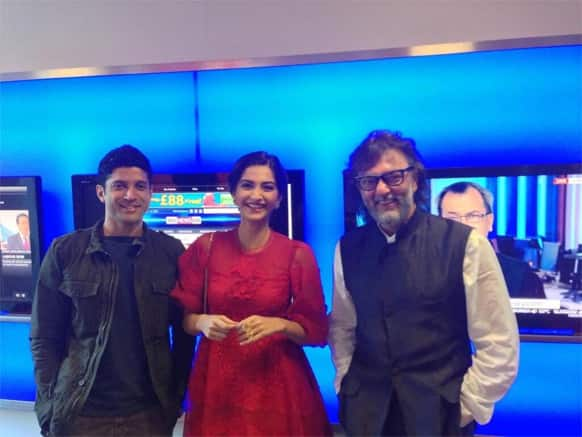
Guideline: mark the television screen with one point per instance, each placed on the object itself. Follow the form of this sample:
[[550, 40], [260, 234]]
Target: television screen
[[536, 231], [189, 205], [19, 242]]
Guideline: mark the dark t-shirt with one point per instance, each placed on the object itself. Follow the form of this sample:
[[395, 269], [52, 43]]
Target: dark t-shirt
[[122, 385]]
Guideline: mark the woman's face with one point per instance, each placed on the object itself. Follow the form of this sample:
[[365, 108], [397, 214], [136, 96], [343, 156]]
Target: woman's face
[[256, 193]]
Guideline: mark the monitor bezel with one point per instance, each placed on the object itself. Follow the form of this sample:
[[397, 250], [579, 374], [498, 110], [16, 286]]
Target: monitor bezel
[[353, 205], [505, 170], [34, 194], [515, 170]]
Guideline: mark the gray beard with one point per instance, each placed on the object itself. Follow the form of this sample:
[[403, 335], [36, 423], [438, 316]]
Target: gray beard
[[391, 222]]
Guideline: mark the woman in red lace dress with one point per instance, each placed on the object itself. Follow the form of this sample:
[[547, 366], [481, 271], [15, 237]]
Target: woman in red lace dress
[[264, 302]]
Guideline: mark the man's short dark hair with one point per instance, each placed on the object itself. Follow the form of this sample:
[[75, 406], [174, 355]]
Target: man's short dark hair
[[369, 152], [124, 156], [258, 158], [462, 187], [19, 216]]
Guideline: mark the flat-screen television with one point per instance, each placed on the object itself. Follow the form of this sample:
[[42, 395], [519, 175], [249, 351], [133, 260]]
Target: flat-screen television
[[537, 234], [191, 204], [20, 242]]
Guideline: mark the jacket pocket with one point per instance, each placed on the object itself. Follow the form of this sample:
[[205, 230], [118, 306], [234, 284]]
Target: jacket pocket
[[157, 309], [79, 289], [86, 306]]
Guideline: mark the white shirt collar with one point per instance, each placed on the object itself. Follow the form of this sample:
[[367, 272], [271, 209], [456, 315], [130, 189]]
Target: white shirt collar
[[390, 239]]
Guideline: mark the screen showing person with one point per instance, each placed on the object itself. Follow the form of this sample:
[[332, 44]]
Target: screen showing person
[[15, 246], [20, 240], [16, 263], [472, 204]]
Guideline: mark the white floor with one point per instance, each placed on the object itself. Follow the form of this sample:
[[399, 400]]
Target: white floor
[[18, 419], [18, 422]]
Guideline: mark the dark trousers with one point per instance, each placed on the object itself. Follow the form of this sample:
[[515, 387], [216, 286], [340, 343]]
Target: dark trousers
[[394, 425], [147, 423]]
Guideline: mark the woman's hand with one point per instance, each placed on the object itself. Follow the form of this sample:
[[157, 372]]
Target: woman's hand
[[214, 326], [254, 328]]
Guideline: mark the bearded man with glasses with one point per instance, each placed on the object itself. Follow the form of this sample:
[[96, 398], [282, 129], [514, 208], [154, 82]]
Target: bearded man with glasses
[[472, 204], [411, 292]]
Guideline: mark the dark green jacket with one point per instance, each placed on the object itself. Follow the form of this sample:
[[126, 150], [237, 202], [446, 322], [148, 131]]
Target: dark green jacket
[[71, 320]]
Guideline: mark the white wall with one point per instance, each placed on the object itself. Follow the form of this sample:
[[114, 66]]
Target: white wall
[[46, 34]]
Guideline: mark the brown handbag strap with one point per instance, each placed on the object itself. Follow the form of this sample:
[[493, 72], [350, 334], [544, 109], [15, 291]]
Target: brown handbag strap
[[205, 285]]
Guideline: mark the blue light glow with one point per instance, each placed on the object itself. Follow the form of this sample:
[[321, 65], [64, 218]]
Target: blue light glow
[[542, 193], [573, 238], [501, 214], [521, 206], [16, 370], [57, 128]]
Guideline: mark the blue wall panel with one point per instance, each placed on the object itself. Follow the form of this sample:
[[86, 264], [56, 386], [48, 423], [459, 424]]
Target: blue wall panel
[[56, 128], [545, 399], [16, 369], [489, 108]]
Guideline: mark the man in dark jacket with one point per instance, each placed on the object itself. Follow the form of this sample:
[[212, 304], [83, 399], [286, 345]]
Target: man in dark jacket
[[411, 291], [109, 352]]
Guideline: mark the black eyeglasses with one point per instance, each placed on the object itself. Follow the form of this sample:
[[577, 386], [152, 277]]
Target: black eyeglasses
[[390, 178], [472, 218]]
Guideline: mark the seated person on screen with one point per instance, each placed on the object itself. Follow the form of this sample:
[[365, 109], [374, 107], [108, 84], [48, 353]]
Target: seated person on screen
[[472, 204], [20, 240]]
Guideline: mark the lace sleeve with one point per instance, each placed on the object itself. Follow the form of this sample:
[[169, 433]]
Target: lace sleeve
[[188, 288], [307, 307]]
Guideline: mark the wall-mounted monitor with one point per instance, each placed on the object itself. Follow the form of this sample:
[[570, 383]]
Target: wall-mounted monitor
[[189, 205], [20, 250], [537, 233]]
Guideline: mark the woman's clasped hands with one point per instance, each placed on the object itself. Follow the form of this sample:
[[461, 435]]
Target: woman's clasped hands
[[217, 327]]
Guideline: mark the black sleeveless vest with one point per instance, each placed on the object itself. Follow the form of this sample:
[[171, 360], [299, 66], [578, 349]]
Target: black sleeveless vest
[[411, 334]]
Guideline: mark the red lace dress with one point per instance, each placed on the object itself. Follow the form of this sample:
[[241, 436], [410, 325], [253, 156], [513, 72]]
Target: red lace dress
[[264, 388]]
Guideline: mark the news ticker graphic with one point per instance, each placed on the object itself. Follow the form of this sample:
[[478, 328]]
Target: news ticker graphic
[[542, 306]]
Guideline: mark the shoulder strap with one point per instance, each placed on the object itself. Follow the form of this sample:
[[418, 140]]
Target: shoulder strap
[[205, 285]]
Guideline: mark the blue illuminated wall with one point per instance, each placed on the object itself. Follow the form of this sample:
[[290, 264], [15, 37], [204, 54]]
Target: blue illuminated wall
[[56, 128], [488, 108], [16, 379], [492, 108]]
